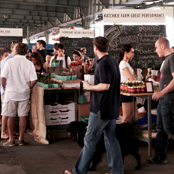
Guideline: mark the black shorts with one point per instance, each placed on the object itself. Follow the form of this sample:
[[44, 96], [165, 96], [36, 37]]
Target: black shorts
[[126, 99]]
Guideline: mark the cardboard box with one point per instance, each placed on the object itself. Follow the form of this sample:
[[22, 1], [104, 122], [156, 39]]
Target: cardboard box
[[49, 108], [63, 118], [89, 78], [69, 114], [52, 114], [71, 85], [70, 107], [58, 107], [68, 84]]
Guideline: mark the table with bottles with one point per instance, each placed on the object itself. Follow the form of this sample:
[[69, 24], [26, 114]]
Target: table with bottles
[[137, 89]]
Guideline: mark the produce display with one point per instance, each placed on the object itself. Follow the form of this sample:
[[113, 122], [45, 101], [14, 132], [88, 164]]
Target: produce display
[[132, 86], [65, 76], [75, 63], [46, 82], [55, 62]]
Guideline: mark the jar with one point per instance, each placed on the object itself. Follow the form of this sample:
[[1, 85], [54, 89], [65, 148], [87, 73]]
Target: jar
[[134, 90], [143, 89], [137, 83], [123, 86], [129, 89], [138, 89], [134, 83], [126, 87]]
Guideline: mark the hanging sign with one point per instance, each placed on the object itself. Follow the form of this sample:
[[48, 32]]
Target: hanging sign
[[133, 16], [11, 32], [79, 33]]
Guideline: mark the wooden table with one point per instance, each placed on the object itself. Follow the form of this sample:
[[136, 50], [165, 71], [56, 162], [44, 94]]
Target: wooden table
[[147, 96]]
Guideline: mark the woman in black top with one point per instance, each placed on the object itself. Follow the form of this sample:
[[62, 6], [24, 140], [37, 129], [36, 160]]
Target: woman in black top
[[38, 61]]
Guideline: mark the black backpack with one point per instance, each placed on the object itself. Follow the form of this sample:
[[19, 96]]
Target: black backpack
[[66, 57]]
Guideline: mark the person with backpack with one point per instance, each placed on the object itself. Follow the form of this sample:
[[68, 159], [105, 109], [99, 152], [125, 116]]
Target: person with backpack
[[61, 56]]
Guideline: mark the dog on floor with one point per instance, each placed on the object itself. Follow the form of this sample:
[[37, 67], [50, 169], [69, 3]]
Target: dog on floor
[[127, 135]]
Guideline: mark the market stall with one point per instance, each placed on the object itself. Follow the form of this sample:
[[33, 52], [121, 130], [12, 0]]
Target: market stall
[[37, 118]]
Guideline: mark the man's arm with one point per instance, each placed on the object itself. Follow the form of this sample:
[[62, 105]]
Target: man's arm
[[166, 90], [51, 59], [99, 87], [3, 81], [32, 84]]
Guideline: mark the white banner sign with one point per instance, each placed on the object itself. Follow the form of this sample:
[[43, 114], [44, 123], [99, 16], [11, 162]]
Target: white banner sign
[[133, 16], [79, 33], [11, 32]]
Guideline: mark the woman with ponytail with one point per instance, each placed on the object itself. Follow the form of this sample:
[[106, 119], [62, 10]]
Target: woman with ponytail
[[127, 73]]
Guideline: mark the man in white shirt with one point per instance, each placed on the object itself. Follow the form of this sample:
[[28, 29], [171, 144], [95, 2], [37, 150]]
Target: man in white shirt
[[4, 134], [61, 56], [21, 78]]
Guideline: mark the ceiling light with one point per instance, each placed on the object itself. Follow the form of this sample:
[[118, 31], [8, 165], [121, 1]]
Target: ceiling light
[[5, 16]]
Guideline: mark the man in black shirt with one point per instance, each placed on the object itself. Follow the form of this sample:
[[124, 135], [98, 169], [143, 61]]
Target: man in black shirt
[[104, 109], [41, 44]]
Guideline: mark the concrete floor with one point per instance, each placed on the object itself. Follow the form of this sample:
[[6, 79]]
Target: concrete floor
[[36, 158]]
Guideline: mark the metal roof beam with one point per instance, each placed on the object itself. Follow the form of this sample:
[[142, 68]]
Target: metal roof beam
[[26, 17], [44, 4], [26, 10]]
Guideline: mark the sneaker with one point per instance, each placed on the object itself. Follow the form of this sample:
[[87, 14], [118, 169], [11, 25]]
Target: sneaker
[[163, 162], [9, 143], [21, 142], [152, 161]]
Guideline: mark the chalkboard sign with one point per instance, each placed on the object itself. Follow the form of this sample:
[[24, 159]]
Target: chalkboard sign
[[72, 44], [5, 41], [141, 37]]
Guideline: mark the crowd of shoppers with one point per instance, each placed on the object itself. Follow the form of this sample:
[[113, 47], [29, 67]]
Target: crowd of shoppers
[[19, 74]]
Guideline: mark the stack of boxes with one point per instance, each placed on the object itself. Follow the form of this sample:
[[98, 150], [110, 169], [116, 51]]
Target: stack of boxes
[[59, 114]]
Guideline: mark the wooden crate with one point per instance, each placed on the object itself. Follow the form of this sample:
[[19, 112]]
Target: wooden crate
[[83, 110]]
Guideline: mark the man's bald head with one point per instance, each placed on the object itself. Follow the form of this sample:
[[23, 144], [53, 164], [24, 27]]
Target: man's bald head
[[162, 47], [163, 41]]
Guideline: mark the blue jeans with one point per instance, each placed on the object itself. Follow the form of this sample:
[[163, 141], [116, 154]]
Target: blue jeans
[[96, 127], [165, 127]]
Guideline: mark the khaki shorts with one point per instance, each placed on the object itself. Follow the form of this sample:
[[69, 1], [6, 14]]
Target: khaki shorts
[[10, 107], [2, 97]]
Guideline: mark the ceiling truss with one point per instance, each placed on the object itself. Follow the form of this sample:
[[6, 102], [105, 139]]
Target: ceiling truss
[[41, 15]]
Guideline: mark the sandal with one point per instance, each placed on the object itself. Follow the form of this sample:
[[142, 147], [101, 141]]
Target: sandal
[[67, 172], [5, 138]]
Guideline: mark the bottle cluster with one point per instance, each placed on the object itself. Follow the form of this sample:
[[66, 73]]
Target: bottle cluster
[[132, 86]]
